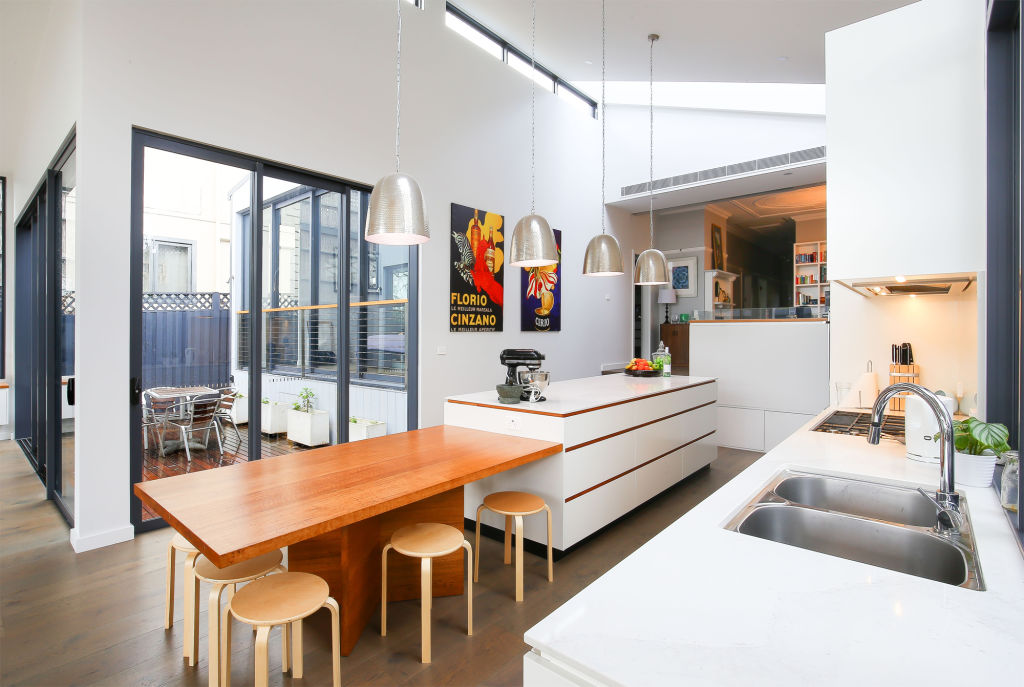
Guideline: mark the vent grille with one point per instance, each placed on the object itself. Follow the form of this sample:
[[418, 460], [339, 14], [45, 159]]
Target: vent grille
[[795, 157]]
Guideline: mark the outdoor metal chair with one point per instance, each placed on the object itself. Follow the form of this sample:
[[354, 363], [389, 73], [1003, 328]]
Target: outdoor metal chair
[[155, 414], [224, 407], [197, 416]]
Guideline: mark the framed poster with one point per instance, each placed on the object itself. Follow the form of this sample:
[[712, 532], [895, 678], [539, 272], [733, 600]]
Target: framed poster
[[717, 255], [683, 276], [477, 270], [541, 306]]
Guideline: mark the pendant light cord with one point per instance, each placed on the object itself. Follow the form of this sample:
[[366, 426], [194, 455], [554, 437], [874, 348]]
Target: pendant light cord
[[653, 37], [604, 111], [533, 110], [398, 88]]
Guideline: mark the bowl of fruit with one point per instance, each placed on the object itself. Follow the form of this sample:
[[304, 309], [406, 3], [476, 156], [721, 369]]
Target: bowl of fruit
[[639, 367]]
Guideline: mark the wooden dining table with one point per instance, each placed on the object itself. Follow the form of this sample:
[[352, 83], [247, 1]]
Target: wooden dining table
[[336, 507]]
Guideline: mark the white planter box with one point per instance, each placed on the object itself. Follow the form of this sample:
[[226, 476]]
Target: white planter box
[[240, 411], [309, 429], [366, 429], [273, 418]]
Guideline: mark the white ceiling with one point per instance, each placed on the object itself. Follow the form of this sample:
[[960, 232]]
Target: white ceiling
[[764, 41]]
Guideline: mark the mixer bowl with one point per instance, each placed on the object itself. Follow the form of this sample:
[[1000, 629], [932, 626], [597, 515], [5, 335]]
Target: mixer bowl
[[535, 381]]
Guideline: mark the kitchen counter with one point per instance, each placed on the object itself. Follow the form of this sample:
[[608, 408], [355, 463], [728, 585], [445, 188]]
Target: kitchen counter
[[700, 605], [575, 396], [625, 439]]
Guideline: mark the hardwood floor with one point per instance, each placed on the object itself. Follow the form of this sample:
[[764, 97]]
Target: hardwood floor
[[96, 618]]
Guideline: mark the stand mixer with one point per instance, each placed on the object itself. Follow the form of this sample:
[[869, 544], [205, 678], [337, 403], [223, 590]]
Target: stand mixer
[[528, 358]]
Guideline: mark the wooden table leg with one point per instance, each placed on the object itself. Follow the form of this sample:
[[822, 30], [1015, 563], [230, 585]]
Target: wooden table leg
[[349, 560]]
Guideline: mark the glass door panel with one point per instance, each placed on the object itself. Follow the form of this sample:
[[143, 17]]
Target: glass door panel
[[194, 375], [65, 334]]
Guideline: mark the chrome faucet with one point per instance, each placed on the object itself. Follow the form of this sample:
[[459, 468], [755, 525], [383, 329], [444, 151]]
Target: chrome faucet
[[946, 498]]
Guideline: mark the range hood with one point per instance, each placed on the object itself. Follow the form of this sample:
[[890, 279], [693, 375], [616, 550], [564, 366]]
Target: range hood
[[923, 285]]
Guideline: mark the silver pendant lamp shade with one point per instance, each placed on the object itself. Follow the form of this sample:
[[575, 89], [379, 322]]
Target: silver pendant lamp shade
[[602, 257], [397, 214], [533, 242], [651, 267]]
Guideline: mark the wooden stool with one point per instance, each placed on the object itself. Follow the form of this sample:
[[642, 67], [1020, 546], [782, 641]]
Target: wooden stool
[[282, 600], [426, 541], [191, 639], [230, 576], [513, 505]]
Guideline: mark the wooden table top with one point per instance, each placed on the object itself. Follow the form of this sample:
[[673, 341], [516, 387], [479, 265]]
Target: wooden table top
[[239, 511]]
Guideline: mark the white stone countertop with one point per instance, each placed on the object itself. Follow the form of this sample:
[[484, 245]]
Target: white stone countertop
[[700, 605], [576, 395]]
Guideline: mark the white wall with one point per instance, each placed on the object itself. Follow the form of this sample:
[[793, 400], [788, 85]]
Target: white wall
[[233, 74], [691, 140], [906, 141], [679, 231]]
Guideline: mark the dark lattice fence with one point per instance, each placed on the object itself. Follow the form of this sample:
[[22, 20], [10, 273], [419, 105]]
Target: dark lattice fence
[[186, 339]]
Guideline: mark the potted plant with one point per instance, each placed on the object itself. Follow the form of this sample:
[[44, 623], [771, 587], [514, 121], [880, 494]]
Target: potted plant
[[273, 417], [977, 446], [363, 428], [306, 425], [240, 409]]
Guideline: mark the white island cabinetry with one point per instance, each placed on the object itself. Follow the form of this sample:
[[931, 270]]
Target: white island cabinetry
[[624, 440]]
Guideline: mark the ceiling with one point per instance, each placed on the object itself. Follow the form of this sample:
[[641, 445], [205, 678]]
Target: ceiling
[[769, 210], [765, 41]]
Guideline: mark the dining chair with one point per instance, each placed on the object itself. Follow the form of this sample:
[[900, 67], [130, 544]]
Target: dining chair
[[156, 411], [197, 416], [225, 405]]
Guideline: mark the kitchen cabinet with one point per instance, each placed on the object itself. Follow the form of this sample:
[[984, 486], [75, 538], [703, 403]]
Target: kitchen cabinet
[[677, 338]]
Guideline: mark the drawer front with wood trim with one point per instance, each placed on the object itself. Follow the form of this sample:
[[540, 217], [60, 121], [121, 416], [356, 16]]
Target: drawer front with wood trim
[[590, 465], [656, 477], [668, 435], [590, 512]]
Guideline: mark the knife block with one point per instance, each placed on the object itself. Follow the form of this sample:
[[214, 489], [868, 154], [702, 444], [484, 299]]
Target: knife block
[[902, 373]]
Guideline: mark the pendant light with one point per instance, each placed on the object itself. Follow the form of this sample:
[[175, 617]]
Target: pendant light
[[651, 266], [533, 242], [603, 257], [397, 214]]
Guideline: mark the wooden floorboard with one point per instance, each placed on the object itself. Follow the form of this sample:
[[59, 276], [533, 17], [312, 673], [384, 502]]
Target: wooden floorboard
[[96, 618]]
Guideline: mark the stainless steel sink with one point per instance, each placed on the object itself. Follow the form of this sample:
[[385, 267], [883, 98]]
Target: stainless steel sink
[[878, 524], [878, 501]]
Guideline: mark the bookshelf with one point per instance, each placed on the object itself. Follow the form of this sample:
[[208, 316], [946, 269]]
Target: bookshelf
[[810, 273]]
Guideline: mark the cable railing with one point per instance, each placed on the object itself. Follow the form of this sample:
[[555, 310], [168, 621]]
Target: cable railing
[[303, 341]]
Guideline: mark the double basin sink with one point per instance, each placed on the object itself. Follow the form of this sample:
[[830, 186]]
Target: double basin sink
[[878, 524]]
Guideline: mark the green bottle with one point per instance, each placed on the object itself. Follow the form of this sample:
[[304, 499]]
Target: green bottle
[[666, 365]]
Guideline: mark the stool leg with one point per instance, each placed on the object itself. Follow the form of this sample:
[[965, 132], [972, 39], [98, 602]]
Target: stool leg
[[425, 601], [551, 560], [286, 650], [261, 670], [476, 559], [519, 558], [335, 640], [213, 620], [297, 648], [191, 644], [225, 642], [384, 590], [508, 539], [469, 588], [169, 600]]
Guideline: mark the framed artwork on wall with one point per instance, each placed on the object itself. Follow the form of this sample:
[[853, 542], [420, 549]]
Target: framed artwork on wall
[[683, 276], [717, 252]]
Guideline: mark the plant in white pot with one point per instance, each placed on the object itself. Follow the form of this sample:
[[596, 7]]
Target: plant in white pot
[[977, 447], [273, 417], [240, 409], [364, 428], [306, 425]]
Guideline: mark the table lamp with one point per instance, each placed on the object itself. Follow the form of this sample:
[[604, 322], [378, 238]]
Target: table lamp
[[667, 297]]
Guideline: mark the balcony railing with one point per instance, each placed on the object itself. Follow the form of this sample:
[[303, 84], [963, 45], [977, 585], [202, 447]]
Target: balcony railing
[[303, 341]]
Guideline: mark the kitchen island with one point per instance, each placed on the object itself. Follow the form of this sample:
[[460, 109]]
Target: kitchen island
[[626, 439], [701, 605]]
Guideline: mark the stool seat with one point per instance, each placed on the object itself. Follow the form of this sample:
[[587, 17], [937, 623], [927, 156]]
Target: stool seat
[[514, 503], [179, 542], [278, 599], [238, 572], [427, 540]]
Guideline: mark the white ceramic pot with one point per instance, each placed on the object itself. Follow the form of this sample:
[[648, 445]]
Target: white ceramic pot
[[309, 429], [366, 429], [240, 411], [273, 418], [974, 471]]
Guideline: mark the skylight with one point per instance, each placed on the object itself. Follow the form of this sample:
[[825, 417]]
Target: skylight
[[782, 98]]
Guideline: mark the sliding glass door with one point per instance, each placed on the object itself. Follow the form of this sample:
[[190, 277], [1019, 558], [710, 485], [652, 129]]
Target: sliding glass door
[[263, 324]]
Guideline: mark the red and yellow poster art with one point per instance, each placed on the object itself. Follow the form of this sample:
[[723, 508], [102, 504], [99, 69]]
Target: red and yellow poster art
[[477, 270], [541, 307]]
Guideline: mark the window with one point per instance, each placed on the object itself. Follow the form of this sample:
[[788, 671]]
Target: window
[[496, 46], [168, 266]]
